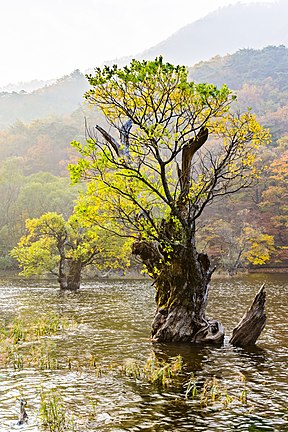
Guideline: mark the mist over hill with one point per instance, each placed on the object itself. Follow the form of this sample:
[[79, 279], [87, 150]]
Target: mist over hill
[[26, 86], [222, 32], [61, 98], [228, 29]]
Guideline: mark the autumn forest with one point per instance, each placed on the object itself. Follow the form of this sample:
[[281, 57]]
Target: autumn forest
[[243, 231]]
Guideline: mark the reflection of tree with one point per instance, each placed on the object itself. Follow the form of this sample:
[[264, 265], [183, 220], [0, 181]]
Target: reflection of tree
[[192, 355]]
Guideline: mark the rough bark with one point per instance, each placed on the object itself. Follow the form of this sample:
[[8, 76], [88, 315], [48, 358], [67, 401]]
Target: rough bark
[[74, 275], [181, 295], [70, 277], [252, 323], [62, 277]]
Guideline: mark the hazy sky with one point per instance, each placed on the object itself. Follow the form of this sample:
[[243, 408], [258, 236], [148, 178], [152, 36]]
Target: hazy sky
[[50, 38]]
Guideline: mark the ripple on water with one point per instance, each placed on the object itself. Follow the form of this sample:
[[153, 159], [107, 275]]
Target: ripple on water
[[114, 324]]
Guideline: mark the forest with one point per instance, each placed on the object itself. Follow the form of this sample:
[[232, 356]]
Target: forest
[[243, 231]]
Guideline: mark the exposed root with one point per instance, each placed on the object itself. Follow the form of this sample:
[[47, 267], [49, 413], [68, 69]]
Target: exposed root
[[212, 333]]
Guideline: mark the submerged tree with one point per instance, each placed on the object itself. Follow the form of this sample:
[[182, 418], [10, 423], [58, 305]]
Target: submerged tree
[[181, 147], [64, 248]]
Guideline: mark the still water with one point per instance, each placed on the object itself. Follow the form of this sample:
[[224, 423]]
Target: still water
[[112, 325]]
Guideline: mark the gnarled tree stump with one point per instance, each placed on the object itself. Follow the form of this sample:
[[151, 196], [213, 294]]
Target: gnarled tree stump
[[252, 323]]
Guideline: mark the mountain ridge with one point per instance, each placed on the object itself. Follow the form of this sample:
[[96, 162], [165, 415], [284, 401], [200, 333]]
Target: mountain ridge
[[204, 38]]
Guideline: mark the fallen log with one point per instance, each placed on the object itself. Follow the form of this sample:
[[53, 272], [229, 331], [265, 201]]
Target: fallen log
[[252, 323]]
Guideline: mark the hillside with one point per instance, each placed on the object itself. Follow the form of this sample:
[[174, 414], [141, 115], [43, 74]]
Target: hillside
[[60, 98], [260, 78], [224, 31], [245, 66]]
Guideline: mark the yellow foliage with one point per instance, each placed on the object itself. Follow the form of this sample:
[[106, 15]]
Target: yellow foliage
[[137, 187], [260, 246]]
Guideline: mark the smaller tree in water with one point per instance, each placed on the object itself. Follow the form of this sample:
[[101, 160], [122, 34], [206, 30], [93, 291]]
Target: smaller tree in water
[[64, 248], [181, 147]]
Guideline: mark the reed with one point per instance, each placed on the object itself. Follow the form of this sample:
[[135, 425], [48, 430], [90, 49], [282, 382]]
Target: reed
[[53, 413], [244, 392], [23, 329], [16, 353], [213, 391], [48, 325], [191, 387], [154, 370], [17, 331], [93, 364], [16, 357]]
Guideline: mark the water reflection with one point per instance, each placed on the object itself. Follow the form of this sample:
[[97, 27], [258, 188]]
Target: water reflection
[[113, 325]]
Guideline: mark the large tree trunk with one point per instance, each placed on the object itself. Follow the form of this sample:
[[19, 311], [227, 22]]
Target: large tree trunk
[[74, 275], [182, 284], [70, 275]]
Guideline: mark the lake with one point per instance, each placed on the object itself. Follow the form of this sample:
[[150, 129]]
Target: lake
[[109, 325]]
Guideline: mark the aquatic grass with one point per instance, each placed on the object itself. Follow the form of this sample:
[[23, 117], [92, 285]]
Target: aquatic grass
[[206, 392], [191, 387], [55, 417], [154, 370], [130, 368], [28, 329], [227, 400], [11, 355], [14, 332], [15, 357], [53, 413], [160, 372], [212, 391], [43, 356], [16, 336], [6, 351], [95, 366], [17, 331], [244, 392], [48, 325]]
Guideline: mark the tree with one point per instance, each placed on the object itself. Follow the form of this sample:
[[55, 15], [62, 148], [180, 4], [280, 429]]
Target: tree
[[162, 174], [274, 205], [24, 197], [232, 246], [64, 249]]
